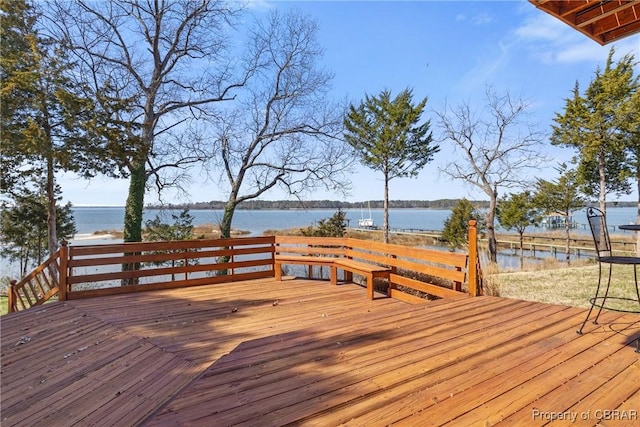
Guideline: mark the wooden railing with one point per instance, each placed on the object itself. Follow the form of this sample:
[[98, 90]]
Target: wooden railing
[[37, 287], [413, 270], [95, 270]]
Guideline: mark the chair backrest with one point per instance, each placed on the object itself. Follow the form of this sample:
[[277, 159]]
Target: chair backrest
[[599, 231]]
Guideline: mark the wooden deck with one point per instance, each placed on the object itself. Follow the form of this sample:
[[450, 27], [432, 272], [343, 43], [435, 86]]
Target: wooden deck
[[268, 353]]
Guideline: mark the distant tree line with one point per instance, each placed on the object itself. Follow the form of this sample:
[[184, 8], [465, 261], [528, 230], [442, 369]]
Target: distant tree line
[[257, 205], [324, 204]]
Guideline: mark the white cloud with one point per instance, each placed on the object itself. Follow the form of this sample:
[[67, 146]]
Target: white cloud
[[551, 41], [482, 19], [543, 27]]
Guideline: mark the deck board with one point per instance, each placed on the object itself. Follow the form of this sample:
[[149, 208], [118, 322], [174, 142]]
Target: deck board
[[304, 352]]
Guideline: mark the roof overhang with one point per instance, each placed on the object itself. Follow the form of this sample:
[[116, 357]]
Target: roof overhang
[[602, 21]]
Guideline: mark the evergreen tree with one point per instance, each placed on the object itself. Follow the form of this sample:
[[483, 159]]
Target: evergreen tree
[[385, 133], [181, 229], [560, 197], [456, 226], [46, 119], [599, 125], [633, 151], [24, 228], [336, 226], [517, 211]]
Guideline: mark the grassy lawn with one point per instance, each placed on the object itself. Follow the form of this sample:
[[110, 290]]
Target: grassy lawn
[[571, 286], [3, 305]]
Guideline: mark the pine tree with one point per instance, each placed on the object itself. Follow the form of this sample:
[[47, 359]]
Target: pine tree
[[599, 125], [560, 197], [181, 229], [46, 120], [336, 226], [456, 226], [517, 211], [386, 135], [24, 227]]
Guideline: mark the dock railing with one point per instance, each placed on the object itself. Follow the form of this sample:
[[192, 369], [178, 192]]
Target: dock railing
[[97, 270]]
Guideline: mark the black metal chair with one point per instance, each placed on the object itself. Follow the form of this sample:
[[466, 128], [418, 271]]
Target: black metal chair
[[604, 255]]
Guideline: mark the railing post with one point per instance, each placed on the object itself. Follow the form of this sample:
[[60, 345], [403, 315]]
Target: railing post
[[274, 247], [11, 296], [473, 258], [186, 264], [63, 286]]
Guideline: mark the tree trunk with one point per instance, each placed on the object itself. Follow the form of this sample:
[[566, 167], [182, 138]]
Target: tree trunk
[[521, 249], [135, 204], [52, 232], [491, 231], [385, 221], [50, 185], [225, 228], [227, 218], [602, 196], [567, 227], [133, 214]]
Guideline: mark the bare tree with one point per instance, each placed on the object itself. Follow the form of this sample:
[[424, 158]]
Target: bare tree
[[156, 68], [496, 149], [284, 132]]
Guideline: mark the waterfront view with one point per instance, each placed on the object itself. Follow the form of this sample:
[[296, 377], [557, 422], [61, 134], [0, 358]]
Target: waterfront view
[[92, 219], [93, 223]]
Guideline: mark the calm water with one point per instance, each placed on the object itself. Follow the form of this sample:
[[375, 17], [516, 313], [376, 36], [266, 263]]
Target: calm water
[[89, 220]]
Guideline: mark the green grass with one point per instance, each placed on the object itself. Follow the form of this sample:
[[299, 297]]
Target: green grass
[[572, 286], [4, 305]]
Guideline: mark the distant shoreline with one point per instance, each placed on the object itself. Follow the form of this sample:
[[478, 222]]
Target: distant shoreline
[[310, 205], [321, 204]]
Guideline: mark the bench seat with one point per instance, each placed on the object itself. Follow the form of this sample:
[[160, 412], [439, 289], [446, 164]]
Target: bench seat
[[370, 271], [300, 259]]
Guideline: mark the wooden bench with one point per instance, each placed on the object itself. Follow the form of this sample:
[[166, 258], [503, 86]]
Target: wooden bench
[[409, 271], [311, 251], [300, 259], [370, 271]]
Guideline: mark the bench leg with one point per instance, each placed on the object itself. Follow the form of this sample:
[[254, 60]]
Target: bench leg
[[370, 286], [278, 271], [334, 275]]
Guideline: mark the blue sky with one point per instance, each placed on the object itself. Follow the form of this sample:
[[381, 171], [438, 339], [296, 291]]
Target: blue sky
[[448, 51]]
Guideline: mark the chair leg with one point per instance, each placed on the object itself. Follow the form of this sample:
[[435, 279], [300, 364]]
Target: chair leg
[[593, 301], [635, 278], [604, 299]]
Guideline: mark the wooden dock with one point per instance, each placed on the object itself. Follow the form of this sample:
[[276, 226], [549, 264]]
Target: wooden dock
[[302, 352]]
